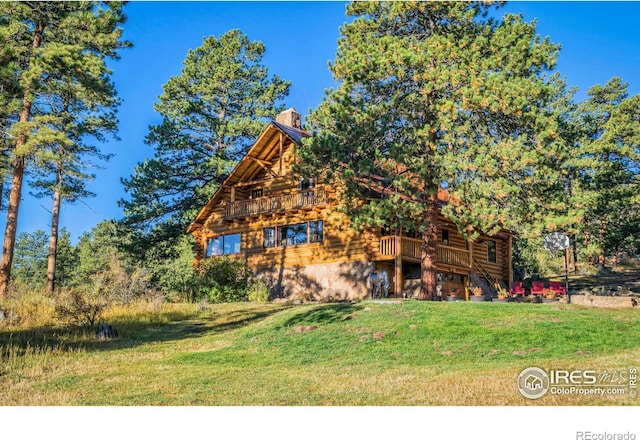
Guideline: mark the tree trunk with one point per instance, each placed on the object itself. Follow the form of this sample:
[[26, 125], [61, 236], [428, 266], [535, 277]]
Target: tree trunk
[[12, 224], [574, 249], [16, 183], [53, 239], [428, 277]]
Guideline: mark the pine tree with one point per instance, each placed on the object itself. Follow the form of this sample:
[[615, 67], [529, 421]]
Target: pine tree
[[212, 112], [607, 156], [46, 41], [83, 114], [438, 95]]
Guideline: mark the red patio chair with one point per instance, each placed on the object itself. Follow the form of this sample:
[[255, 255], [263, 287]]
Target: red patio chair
[[516, 289], [537, 288], [557, 287]]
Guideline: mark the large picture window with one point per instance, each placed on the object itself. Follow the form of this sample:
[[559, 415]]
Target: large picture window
[[223, 245], [289, 235], [293, 234]]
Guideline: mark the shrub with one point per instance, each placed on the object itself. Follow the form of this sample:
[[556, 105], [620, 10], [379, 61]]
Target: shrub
[[28, 307], [223, 279], [82, 307], [258, 291], [120, 284]]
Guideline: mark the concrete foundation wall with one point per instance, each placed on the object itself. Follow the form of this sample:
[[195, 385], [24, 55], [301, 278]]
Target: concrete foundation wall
[[604, 301], [337, 281]]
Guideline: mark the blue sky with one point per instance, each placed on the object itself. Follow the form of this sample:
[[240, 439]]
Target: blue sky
[[599, 40]]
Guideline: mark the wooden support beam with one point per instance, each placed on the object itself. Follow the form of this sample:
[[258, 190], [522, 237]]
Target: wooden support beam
[[510, 260], [263, 164], [280, 155], [255, 182], [398, 264]]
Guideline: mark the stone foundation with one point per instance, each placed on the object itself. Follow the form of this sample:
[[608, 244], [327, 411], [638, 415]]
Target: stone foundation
[[330, 281], [604, 301]]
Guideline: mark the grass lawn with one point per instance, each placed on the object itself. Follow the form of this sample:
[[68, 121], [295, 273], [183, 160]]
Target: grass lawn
[[414, 353]]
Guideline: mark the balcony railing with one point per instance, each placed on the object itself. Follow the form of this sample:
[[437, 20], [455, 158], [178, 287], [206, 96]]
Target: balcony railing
[[296, 200], [412, 248]]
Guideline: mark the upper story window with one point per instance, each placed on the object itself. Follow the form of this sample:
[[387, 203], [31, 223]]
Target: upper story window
[[492, 251], [445, 237], [256, 193], [307, 183], [223, 245]]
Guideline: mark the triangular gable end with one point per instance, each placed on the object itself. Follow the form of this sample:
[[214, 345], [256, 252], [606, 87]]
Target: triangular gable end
[[262, 155]]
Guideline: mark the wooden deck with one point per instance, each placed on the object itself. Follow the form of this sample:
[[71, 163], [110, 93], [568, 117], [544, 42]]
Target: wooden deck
[[411, 250], [265, 205]]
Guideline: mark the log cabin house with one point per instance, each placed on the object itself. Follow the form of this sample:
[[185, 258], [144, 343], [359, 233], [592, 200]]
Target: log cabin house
[[290, 232]]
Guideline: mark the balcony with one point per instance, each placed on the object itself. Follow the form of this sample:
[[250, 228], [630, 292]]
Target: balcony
[[411, 249], [306, 199]]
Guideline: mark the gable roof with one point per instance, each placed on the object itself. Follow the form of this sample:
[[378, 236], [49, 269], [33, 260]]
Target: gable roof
[[252, 162]]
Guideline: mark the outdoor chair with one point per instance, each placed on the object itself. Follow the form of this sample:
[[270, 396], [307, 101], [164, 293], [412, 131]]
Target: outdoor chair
[[557, 287], [537, 288], [516, 289]]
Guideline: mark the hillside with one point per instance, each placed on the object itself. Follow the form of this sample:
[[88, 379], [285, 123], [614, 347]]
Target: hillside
[[412, 353]]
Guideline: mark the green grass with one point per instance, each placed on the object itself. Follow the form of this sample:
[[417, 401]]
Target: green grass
[[248, 354]]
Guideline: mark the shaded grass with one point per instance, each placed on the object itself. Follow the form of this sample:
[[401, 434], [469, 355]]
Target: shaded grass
[[351, 354]]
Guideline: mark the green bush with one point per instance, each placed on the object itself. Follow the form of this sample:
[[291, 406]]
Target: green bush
[[258, 291], [223, 279]]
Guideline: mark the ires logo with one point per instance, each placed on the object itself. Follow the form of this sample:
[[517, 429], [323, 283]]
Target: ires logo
[[533, 382], [575, 377]]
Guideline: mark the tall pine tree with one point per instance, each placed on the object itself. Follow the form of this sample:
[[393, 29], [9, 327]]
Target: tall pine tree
[[44, 40], [212, 112], [607, 157], [438, 95]]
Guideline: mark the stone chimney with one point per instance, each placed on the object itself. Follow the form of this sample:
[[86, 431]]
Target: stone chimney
[[290, 118]]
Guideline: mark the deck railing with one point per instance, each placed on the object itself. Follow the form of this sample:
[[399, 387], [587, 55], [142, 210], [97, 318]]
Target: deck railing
[[412, 248], [284, 202]]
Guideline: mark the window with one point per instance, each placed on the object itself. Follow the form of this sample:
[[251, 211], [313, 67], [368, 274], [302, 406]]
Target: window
[[231, 244], [269, 237], [315, 232], [214, 246], [307, 183], [445, 237], [223, 245], [293, 234], [301, 233], [492, 254], [256, 193]]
